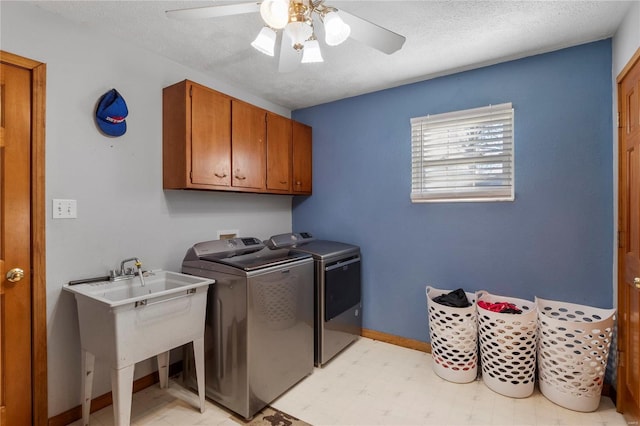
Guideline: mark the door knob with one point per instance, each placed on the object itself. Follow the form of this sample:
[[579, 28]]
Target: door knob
[[15, 275], [636, 282]]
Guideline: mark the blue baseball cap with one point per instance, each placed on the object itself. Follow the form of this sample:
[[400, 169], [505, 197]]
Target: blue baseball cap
[[111, 112]]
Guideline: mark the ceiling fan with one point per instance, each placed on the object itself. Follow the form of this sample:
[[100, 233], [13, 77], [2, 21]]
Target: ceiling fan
[[302, 23]]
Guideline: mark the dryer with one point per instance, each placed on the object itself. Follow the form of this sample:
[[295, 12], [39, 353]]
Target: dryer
[[337, 291]]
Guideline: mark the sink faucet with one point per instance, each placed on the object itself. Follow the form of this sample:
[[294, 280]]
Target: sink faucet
[[124, 274]]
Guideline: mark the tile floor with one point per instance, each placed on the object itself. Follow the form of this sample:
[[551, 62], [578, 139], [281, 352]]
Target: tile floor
[[372, 383]]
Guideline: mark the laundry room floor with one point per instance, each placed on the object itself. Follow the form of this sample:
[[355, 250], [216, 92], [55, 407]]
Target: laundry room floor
[[371, 383]]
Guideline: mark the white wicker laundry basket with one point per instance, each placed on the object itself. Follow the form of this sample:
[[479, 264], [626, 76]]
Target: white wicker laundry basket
[[454, 338], [508, 346], [573, 348]]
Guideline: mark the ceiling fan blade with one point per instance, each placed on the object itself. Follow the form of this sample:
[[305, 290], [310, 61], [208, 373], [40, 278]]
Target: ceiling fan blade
[[214, 11], [289, 58], [374, 35]]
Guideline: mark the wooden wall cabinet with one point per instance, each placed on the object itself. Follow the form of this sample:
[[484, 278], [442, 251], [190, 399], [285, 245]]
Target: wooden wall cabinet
[[212, 141], [301, 158], [279, 133], [210, 138], [196, 137], [248, 154]]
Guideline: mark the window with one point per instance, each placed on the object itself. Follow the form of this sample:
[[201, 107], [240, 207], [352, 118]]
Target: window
[[463, 155]]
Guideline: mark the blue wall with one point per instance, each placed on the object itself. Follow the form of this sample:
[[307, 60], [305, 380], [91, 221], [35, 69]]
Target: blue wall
[[554, 241]]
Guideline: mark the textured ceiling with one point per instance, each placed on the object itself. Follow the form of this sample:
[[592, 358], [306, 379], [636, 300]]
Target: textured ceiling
[[442, 37]]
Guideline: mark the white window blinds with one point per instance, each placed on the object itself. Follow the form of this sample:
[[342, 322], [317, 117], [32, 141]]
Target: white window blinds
[[463, 155]]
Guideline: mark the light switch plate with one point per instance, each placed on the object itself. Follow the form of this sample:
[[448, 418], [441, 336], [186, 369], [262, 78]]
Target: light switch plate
[[65, 209]]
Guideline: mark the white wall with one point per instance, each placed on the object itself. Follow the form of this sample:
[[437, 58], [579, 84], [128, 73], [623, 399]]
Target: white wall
[[122, 209], [627, 39]]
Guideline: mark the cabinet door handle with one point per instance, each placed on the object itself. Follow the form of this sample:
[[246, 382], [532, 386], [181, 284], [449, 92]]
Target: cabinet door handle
[[283, 182], [241, 177], [218, 175], [298, 183]]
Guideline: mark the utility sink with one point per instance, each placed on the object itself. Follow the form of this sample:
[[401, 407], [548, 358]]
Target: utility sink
[[158, 285], [124, 322]]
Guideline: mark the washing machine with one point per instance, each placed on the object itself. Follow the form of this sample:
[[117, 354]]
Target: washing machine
[[259, 321]]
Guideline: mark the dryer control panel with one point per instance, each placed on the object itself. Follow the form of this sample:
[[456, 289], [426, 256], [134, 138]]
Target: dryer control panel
[[227, 248], [289, 240]]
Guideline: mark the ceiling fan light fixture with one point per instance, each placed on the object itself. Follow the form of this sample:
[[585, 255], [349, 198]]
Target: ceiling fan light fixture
[[336, 30], [265, 41], [275, 13], [296, 19], [311, 52], [298, 32]]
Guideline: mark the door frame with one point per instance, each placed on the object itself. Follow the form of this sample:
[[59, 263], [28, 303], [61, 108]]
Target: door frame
[[622, 331], [38, 221]]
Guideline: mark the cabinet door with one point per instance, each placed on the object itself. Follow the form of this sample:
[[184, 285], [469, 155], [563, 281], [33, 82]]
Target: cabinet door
[[302, 152], [210, 137], [278, 153], [248, 134]]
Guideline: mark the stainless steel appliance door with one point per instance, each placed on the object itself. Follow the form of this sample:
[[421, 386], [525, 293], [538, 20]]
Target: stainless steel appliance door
[[340, 308], [342, 287], [280, 331]]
